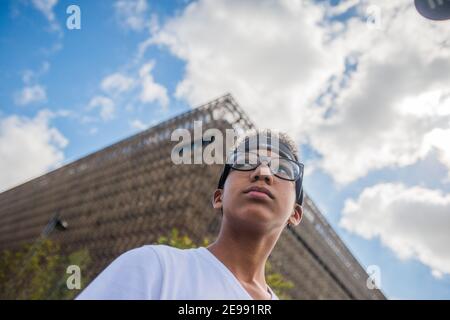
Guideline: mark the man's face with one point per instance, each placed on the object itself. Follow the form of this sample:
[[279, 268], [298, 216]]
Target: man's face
[[259, 198]]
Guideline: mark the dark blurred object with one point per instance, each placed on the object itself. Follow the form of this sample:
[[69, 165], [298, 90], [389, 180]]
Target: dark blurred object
[[55, 223], [433, 9]]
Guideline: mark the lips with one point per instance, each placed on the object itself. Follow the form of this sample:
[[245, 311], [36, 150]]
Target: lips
[[259, 192]]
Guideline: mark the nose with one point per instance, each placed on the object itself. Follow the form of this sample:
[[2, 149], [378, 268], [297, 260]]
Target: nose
[[262, 172]]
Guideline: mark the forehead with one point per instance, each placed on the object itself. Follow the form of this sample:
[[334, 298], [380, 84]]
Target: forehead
[[266, 145]]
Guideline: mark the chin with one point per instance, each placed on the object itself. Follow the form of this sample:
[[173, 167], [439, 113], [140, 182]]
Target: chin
[[255, 213]]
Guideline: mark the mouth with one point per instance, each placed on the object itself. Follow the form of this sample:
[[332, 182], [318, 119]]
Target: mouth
[[259, 192]]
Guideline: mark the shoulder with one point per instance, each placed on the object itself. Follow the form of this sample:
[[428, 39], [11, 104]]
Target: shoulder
[[156, 251], [154, 258], [163, 250], [135, 274], [167, 255], [135, 258], [137, 254]]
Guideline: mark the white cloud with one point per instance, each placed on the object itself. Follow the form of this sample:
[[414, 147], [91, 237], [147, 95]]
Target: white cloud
[[93, 131], [132, 14], [84, 119], [116, 83], [106, 106], [382, 115], [151, 91], [30, 76], [46, 8], [29, 147], [126, 91], [138, 125], [278, 57], [269, 54], [30, 94], [342, 7], [439, 139], [411, 221]]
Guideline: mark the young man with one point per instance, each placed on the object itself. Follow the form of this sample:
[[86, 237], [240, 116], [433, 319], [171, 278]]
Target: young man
[[259, 194]]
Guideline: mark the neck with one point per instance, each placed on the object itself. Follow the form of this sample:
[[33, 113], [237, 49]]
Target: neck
[[244, 252]]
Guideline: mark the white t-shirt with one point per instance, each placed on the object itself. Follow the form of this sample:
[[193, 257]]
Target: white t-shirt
[[160, 272]]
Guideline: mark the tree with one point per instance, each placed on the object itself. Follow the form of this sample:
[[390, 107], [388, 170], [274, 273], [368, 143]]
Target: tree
[[38, 271]]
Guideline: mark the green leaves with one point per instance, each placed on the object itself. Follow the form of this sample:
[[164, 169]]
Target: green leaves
[[38, 271]]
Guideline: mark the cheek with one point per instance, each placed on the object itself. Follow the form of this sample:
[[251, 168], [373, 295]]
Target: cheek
[[287, 196], [231, 187], [236, 180]]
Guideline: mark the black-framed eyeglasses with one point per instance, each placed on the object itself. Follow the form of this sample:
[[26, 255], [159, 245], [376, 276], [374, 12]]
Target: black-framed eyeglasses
[[280, 167]]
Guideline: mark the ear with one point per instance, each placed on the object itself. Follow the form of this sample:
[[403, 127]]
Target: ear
[[217, 199], [296, 215]]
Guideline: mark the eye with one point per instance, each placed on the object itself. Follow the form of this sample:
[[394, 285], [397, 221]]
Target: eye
[[244, 160], [285, 169], [240, 158]]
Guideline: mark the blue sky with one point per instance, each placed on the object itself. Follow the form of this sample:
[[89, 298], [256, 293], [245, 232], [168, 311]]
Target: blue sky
[[85, 58], [368, 106]]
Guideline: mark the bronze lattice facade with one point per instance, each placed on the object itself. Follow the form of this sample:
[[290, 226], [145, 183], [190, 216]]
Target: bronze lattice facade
[[130, 193]]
